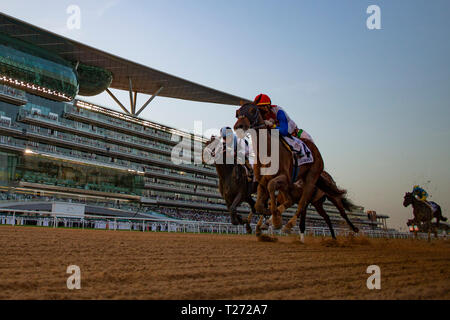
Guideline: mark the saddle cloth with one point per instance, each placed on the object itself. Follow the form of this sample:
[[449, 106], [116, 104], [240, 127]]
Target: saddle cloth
[[433, 205], [300, 149]]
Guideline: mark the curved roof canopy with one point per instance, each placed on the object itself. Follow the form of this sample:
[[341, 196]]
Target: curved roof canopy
[[143, 79]]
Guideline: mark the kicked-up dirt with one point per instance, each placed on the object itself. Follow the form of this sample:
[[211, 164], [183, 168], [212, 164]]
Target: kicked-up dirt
[[138, 265]]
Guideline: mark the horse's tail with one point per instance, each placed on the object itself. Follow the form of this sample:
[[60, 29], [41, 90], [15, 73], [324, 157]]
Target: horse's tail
[[441, 216], [329, 186], [348, 204]]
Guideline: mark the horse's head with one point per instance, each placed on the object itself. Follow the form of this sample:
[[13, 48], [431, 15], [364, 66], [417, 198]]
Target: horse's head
[[407, 199], [248, 117]]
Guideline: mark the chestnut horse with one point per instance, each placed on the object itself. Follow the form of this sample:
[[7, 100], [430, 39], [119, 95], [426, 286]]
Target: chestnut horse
[[249, 117]]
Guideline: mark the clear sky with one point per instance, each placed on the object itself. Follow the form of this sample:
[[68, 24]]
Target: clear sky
[[377, 102]]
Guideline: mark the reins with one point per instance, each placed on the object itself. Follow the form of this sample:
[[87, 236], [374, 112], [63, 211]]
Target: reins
[[255, 125]]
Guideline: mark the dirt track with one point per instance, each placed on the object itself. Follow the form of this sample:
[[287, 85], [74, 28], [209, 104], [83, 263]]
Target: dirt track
[[135, 265]]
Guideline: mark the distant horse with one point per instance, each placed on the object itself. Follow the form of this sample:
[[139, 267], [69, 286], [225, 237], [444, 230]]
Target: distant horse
[[234, 187], [437, 213], [340, 202], [423, 213]]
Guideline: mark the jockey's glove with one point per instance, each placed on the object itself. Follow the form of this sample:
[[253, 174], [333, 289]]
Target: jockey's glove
[[269, 123]]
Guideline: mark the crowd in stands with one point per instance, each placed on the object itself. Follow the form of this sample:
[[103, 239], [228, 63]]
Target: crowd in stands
[[185, 214], [194, 215], [180, 198]]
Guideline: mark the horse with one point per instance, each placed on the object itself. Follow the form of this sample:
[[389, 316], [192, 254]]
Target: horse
[[249, 117], [437, 213], [234, 187], [340, 202], [423, 213]]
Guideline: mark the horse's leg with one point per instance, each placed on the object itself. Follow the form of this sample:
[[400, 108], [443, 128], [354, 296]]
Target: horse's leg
[[272, 187], [308, 191], [235, 218], [251, 203], [259, 229], [320, 210], [429, 230], [438, 219], [286, 204], [261, 200], [338, 204]]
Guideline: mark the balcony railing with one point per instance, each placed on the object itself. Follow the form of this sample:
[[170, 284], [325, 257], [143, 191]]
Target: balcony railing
[[91, 117], [177, 189], [108, 149], [22, 145], [105, 135]]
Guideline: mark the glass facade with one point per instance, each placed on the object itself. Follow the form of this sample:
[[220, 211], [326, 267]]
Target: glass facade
[[31, 66], [37, 169], [8, 164]]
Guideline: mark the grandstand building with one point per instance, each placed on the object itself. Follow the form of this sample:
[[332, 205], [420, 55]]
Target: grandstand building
[[55, 145]]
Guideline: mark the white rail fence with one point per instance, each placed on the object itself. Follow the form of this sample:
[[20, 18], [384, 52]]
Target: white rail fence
[[54, 220]]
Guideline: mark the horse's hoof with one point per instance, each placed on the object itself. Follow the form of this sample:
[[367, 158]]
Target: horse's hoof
[[287, 230], [277, 226], [277, 222]]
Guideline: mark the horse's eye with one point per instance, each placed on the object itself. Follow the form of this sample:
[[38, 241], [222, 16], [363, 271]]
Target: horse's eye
[[252, 111]]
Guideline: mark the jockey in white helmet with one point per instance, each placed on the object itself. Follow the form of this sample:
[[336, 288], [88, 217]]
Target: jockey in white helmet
[[232, 141]]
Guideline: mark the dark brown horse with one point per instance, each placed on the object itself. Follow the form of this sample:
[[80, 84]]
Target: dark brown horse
[[233, 185], [423, 213], [421, 210], [249, 117]]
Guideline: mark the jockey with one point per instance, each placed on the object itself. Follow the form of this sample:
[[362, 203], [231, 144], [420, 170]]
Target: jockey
[[420, 193], [231, 140], [228, 137], [275, 117], [273, 114]]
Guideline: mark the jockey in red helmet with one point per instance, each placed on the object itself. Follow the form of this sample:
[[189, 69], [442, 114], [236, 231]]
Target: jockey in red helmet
[[277, 118]]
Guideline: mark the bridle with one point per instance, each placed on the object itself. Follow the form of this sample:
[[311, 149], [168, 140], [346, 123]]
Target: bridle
[[252, 119], [408, 199]]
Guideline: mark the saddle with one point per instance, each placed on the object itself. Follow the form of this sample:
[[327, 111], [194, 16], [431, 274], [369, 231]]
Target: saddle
[[301, 154]]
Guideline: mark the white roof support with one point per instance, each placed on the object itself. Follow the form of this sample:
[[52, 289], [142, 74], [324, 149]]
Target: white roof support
[[149, 100]]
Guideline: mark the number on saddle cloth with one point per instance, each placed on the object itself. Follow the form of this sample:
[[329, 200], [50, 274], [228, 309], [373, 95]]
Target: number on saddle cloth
[[300, 150]]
